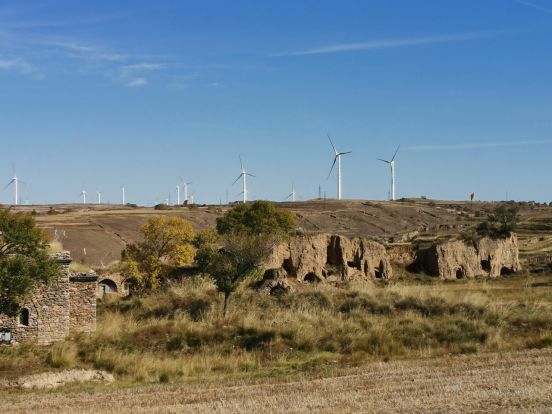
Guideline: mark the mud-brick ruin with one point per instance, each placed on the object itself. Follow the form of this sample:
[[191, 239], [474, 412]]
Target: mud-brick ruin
[[66, 304], [330, 258]]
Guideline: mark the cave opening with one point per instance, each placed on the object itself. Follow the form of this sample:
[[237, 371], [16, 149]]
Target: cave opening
[[379, 271], [311, 278], [486, 265], [460, 274]]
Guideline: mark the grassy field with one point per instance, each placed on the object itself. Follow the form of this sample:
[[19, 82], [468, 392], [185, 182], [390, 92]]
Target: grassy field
[[177, 334]]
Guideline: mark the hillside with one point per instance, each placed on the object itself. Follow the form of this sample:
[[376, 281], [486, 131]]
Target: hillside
[[96, 234]]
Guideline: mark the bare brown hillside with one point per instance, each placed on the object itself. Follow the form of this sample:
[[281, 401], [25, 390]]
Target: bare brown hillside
[[96, 234]]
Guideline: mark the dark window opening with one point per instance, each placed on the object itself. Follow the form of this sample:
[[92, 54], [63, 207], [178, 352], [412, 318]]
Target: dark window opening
[[24, 317]]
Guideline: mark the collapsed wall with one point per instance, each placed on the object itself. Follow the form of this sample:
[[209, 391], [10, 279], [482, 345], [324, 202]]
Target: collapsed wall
[[330, 257], [459, 259]]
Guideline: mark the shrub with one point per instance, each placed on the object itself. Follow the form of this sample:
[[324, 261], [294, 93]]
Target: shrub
[[500, 223], [539, 343], [368, 304], [252, 338], [259, 217], [62, 355]]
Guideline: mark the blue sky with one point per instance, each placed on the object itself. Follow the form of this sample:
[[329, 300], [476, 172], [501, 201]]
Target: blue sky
[[102, 94]]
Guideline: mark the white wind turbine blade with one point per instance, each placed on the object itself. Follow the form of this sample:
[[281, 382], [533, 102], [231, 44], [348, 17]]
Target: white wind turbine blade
[[346, 152], [387, 162]]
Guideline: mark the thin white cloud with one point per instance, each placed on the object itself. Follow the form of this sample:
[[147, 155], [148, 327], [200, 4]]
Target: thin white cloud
[[17, 64], [137, 82], [144, 66], [78, 50], [393, 43], [534, 6], [476, 145]]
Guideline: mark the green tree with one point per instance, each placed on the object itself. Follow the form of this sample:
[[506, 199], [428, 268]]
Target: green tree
[[24, 261], [238, 258], [259, 217], [167, 243], [501, 222]]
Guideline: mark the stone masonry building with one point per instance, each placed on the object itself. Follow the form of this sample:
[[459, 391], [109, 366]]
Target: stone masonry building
[[66, 304]]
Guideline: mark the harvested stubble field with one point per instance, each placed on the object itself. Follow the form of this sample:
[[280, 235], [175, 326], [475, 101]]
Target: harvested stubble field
[[411, 346], [518, 382]]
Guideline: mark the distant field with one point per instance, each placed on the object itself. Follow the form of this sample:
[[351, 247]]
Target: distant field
[[96, 234], [498, 383]]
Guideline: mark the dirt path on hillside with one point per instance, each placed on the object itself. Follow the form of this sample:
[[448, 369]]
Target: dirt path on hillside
[[511, 383]]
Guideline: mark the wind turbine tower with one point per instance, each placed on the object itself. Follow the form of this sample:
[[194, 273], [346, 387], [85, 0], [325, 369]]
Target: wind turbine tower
[[293, 194], [243, 175], [123, 190], [15, 181], [185, 185], [177, 195], [83, 195], [337, 159], [392, 164], [99, 197]]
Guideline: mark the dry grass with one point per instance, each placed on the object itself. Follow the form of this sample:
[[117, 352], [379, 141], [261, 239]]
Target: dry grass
[[498, 383], [77, 267], [177, 334]]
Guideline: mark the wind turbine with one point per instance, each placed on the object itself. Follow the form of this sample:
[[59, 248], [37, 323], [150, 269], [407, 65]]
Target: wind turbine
[[123, 190], [185, 186], [177, 195], [293, 194], [99, 196], [83, 195], [392, 164], [337, 159], [243, 175], [15, 181]]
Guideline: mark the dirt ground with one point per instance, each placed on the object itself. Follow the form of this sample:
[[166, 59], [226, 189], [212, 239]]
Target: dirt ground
[[509, 383]]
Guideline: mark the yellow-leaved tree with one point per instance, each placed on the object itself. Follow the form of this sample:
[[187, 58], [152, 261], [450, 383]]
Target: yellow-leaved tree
[[167, 244]]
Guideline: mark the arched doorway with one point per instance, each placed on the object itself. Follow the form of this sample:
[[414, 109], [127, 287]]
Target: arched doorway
[[107, 286]]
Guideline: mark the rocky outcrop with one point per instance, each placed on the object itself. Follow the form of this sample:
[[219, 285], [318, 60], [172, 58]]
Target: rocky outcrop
[[459, 259], [331, 258]]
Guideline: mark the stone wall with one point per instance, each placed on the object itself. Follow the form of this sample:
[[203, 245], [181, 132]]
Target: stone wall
[[66, 303], [82, 295]]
